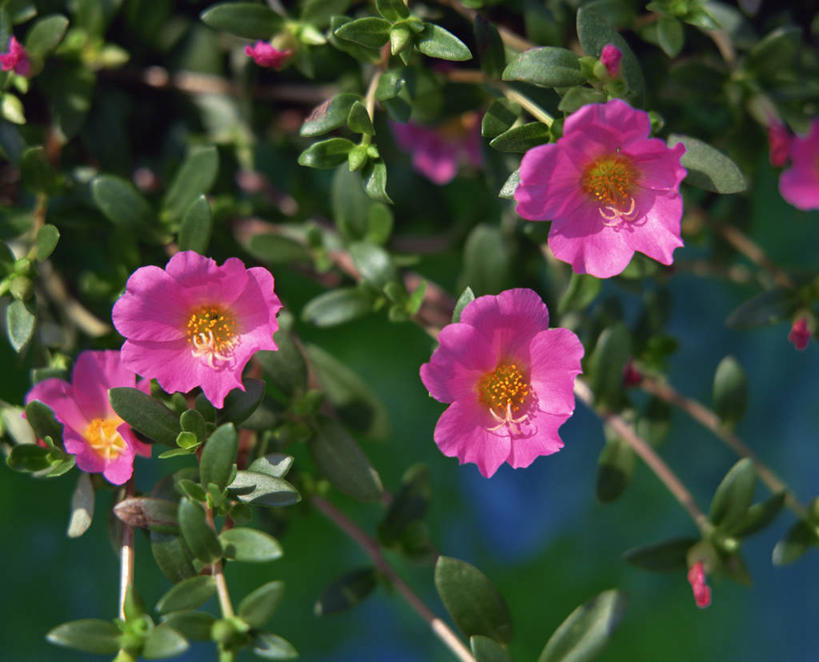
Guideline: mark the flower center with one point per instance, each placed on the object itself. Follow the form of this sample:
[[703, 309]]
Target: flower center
[[101, 434], [609, 180], [505, 391], [212, 333]]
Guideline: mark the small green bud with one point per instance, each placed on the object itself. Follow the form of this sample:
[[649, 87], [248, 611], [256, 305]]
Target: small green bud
[[21, 287], [22, 266], [357, 157]]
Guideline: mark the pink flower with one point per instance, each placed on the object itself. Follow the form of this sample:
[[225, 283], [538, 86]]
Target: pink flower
[[800, 333], [16, 58], [437, 151], [696, 577], [101, 440], [195, 323], [509, 379], [779, 142], [608, 189], [265, 55], [799, 184], [611, 56]]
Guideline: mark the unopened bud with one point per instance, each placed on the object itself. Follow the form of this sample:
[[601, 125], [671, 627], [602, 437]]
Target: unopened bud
[[611, 56], [800, 334]]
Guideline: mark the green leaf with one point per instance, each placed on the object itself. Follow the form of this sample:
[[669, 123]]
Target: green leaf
[[775, 53], [487, 260], [28, 457], [195, 229], [796, 542], [332, 114], [285, 368], [163, 641], [606, 365], [507, 191], [670, 34], [547, 66], [359, 52], [198, 534], [730, 391], [69, 88], [521, 138], [586, 632], [577, 97], [341, 460], [326, 154], [392, 10], [467, 297], [19, 324], [409, 504], [472, 600], [194, 177], [144, 414], [758, 516], [149, 513], [172, 556], [373, 263], [594, 33], [708, 168], [192, 421], [375, 181], [188, 594], [274, 464], [582, 290], [370, 32], [435, 41], [277, 249], [194, 625], [12, 144], [45, 35], [37, 172], [249, 545], [487, 650], [273, 647], [614, 470], [257, 608], [41, 418], [769, 307], [218, 456], [263, 490], [90, 635], [244, 19], [667, 556], [491, 52], [337, 306], [319, 12], [358, 119], [347, 591], [239, 404], [121, 203], [733, 496], [498, 118], [46, 242], [82, 507]]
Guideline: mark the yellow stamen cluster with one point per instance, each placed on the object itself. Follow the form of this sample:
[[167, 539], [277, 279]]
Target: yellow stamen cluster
[[101, 434], [505, 389], [610, 180], [211, 327]]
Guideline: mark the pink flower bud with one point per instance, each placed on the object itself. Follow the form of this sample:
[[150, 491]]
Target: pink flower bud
[[631, 375], [799, 184], [265, 55], [779, 142], [800, 334], [610, 57], [16, 58], [696, 577]]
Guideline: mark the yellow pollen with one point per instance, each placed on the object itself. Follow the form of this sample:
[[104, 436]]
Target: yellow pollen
[[610, 180], [101, 434], [505, 389], [212, 327]]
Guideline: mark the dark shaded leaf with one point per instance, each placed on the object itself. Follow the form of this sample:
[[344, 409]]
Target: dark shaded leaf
[[521, 138], [239, 404], [435, 41], [244, 19], [614, 470], [488, 650], [194, 232], [144, 414], [667, 556], [759, 516], [346, 591], [188, 594], [194, 625], [796, 542], [194, 177], [218, 456], [733, 496], [198, 534], [257, 608]]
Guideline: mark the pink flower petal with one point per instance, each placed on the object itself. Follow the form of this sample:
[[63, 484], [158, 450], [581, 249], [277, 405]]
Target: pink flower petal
[[93, 374], [799, 184], [546, 441], [153, 307], [555, 356], [659, 236], [589, 246], [204, 282], [458, 435], [457, 364]]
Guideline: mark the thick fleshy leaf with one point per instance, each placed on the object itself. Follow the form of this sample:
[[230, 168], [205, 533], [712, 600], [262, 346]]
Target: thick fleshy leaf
[[151, 513], [392, 10], [606, 365], [274, 464], [733, 496], [28, 457], [218, 456], [188, 594], [82, 507], [467, 296], [121, 203], [708, 168], [194, 625], [408, 505], [90, 635], [666, 556], [250, 20], [20, 323], [338, 306], [198, 534], [614, 469], [587, 630], [512, 182], [193, 178], [670, 35], [339, 457], [730, 390], [192, 421], [273, 647], [472, 600], [194, 232], [358, 119], [326, 154], [487, 260], [37, 172], [249, 545], [370, 31], [375, 181], [163, 641], [258, 607], [240, 405], [547, 66], [373, 263], [491, 52], [488, 650], [41, 418], [277, 249], [359, 52], [521, 138], [435, 41], [759, 516], [144, 414], [346, 592], [799, 538], [46, 242], [260, 489], [172, 556], [498, 118], [577, 97], [69, 87], [45, 35], [330, 115]]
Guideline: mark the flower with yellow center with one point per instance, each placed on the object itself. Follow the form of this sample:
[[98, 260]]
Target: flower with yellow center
[[505, 392], [101, 434], [610, 180], [211, 331]]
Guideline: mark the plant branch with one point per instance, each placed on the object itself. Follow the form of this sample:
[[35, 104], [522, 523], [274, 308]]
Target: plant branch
[[646, 452], [753, 251], [373, 550], [712, 422], [126, 555], [218, 574]]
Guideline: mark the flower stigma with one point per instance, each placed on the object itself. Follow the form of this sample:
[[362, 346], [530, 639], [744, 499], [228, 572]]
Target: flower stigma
[[101, 434], [212, 333], [505, 391], [609, 180]]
